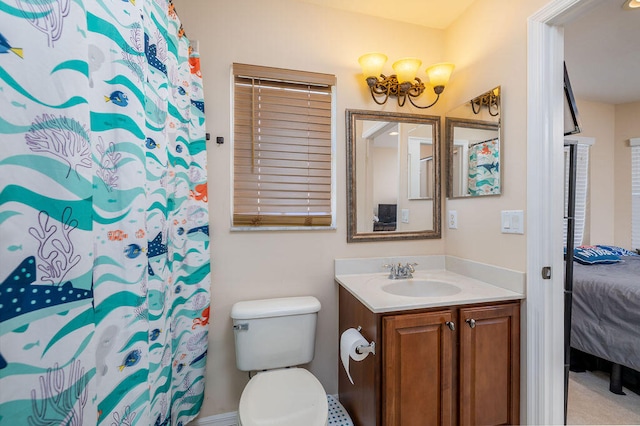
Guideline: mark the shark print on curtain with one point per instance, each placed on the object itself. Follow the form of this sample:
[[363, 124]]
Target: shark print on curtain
[[104, 236]]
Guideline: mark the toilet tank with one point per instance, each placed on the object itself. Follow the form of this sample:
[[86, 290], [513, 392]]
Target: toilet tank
[[274, 333]]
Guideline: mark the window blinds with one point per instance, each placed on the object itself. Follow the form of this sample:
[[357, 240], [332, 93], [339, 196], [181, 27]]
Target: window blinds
[[582, 169], [635, 196], [282, 147]]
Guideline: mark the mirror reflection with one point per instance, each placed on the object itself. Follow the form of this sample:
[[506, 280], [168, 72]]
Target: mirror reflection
[[473, 141], [420, 167], [393, 176]]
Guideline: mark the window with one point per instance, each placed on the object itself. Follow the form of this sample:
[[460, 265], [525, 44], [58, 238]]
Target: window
[[582, 174], [283, 148], [635, 193]]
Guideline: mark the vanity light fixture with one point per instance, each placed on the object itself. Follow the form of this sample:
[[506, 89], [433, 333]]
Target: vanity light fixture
[[403, 84], [490, 100], [631, 4]]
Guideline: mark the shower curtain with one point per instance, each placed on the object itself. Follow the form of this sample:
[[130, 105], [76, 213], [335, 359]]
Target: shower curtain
[[104, 236], [484, 168]]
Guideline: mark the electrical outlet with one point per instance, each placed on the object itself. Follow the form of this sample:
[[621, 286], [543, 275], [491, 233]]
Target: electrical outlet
[[453, 219]]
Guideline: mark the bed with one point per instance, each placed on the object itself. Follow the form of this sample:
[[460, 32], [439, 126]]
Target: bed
[[605, 319]]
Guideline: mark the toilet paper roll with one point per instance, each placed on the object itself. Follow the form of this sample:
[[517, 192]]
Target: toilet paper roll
[[349, 341]]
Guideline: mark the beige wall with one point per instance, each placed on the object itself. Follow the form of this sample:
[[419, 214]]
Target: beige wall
[[488, 44], [609, 199], [627, 127], [597, 120], [488, 49]]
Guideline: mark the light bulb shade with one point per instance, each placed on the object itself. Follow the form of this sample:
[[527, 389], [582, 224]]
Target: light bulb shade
[[406, 69], [439, 74], [372, 64], [631, 4]]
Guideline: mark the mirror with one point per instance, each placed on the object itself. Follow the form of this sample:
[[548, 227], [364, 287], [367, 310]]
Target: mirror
[[474, 145], [393, 176]]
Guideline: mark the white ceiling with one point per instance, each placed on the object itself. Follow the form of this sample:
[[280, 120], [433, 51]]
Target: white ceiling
[[601, 46], [602, 53]]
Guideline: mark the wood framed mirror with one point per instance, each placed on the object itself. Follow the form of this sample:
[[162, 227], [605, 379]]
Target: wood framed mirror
[[393, 176], [473, 141]]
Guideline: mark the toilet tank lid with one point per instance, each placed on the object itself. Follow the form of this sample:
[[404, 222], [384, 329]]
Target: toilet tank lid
[[265, 308]]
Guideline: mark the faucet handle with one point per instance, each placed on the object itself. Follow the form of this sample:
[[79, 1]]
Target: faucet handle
[[393, 270]]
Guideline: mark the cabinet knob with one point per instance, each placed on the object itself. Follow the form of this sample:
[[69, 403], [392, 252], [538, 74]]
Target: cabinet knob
[[451, 325], [471, 322]]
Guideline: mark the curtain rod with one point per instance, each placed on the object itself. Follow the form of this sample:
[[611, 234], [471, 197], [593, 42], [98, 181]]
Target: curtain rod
[[478, 143]]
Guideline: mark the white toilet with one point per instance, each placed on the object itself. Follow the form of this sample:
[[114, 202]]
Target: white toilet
[[272, 337]]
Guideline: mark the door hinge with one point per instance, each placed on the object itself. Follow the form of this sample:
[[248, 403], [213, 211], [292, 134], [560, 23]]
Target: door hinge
[[546, 273]]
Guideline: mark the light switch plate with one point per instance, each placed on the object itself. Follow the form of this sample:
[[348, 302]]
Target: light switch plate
[[512, 221]]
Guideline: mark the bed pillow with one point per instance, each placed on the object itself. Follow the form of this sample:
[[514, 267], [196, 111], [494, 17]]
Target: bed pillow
[[618, 250], [592, 255]]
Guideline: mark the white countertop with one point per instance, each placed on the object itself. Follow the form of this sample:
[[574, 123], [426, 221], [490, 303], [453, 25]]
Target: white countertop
[[367, 286]]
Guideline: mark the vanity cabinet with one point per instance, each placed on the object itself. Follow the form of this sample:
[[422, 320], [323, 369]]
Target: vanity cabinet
[[437, 366]]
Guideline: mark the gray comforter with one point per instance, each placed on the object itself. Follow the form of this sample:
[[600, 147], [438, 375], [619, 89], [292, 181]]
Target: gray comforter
[[605, 318]]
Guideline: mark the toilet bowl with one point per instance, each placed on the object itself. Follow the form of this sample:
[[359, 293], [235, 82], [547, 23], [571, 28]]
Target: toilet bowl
[[273, 337], [284, 397]]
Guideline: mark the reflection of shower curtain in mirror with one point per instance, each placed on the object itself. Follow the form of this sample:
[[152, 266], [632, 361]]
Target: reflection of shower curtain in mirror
[[104, 236], [484, 168]]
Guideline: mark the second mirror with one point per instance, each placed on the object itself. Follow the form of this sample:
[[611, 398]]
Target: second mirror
[[473, 141]]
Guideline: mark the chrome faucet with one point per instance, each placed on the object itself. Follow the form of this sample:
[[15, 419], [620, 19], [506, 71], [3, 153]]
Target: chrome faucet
[[400, 271]]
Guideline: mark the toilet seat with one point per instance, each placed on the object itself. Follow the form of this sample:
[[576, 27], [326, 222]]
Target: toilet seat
[[285, 397]]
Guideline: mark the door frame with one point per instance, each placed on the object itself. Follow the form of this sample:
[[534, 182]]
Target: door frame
[[544, 305]]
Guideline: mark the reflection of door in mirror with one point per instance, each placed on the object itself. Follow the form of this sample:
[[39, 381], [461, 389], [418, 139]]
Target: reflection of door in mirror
[[460, 167], [415, 213], [426, 182], [420, 167]]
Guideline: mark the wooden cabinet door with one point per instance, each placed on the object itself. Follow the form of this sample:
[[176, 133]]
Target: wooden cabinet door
[[490, 365], [417, 369]]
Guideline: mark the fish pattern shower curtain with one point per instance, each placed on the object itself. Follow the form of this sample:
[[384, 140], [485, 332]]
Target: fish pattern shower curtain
[[104, 237], [484, 168]]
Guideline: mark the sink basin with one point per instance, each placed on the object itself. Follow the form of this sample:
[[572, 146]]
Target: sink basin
[[421, 288]]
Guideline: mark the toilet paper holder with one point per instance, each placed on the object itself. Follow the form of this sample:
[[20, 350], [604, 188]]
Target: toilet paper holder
[[362, 349]]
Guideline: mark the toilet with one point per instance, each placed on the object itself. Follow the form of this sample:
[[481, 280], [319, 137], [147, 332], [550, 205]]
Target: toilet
[[273, 337]]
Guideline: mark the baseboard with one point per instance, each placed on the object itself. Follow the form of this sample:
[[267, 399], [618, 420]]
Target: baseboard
[[224, 419]]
